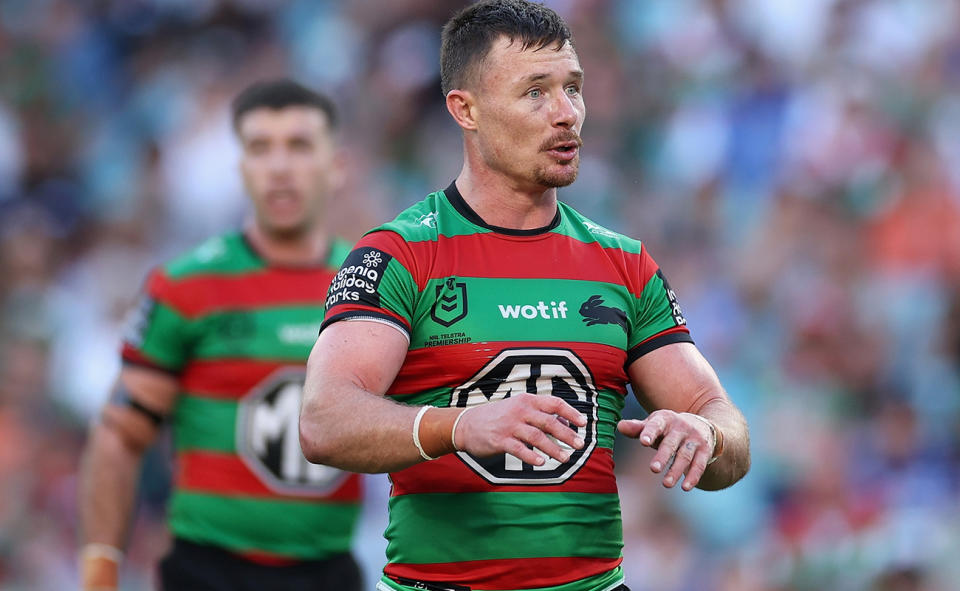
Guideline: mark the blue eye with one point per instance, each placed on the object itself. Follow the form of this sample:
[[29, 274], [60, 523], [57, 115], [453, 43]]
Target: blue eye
[[573, 89], [535, 93]]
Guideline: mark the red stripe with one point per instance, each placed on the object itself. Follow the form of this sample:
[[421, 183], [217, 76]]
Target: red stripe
[[550, 256], [135, 356], [420, 371], [227, 474], [267, 559], [202, 294], [229, 378], [681, 328], [450, 475], [517, 573]]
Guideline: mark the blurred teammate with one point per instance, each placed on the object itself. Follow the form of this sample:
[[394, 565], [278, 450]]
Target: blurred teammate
[[218, 352], [479, 346]]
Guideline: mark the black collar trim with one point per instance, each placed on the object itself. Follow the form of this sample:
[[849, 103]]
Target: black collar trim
[[460, 204]]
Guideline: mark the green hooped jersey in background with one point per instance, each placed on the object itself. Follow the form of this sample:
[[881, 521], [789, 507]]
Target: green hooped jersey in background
[[560, 311], [237, 332]]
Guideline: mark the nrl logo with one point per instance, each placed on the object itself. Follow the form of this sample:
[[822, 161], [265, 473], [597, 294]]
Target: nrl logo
[[451, 304]]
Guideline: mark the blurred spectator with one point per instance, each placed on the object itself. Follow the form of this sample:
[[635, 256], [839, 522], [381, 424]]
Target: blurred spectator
[[795, 165]]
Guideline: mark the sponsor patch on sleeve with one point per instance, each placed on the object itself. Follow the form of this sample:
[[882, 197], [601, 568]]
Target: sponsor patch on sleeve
[[358, 280], [138, 320], [675, 310]]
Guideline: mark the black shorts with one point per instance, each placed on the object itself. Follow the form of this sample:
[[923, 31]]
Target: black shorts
[[195, 567]]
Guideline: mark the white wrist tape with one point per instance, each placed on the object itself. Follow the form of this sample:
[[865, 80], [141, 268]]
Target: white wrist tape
[[96, 550], [416, 432], [453, 432], [713, 434]]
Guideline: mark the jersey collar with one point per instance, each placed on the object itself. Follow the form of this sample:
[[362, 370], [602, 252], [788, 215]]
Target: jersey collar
[[460, 204]]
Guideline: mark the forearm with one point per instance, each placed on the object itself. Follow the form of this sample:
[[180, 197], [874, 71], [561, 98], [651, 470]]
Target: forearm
[[108, 481], [108, 478], [352, 429], [734, 462], [346, 420]]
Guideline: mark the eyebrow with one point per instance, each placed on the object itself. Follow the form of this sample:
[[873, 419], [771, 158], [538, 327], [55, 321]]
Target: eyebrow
[[577, 74]]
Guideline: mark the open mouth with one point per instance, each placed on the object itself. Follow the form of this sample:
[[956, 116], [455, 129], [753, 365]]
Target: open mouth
[[282, 199], [564, 152]]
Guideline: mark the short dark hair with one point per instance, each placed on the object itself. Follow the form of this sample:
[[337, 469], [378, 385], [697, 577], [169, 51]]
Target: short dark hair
[[279, 94], [468, 35]]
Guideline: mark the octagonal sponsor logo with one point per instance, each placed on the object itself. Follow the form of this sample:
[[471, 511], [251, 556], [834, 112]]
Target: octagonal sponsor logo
[[268, 438], [545, 372]]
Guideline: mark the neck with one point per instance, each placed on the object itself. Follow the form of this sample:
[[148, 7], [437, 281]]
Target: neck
[[505, 202], [300, 250]]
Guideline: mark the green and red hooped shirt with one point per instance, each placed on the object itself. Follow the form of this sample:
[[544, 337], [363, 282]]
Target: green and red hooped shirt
[[561, 311], [237, 332]]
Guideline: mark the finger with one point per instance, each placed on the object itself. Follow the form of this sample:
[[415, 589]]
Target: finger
[[697, 467], [517, 448], [560, 429], [631, 427], [535, 437], [668, 447], [653, 430], [557, 406], [681, 462]]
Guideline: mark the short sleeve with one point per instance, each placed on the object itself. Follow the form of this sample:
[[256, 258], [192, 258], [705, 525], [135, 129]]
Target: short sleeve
[[374, 283], [658, 319], [157, 333]]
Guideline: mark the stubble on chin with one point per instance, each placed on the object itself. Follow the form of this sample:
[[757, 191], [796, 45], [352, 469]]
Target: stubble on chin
[[554, 180]]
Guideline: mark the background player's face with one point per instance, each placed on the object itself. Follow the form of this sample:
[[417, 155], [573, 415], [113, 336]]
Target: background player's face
[[529, 113], [288, 167]]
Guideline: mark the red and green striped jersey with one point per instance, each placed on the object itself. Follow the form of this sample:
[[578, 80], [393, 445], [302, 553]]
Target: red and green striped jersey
[[236, 332], [488, 311]]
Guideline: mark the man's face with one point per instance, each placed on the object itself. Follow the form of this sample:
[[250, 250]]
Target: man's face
[[529, 113], [287, 166]]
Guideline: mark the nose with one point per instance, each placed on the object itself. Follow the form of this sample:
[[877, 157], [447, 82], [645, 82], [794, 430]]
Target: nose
[[278, 162], [564, 111]]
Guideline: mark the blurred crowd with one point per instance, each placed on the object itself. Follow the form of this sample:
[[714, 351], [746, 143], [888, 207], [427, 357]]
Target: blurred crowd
[[793, 166]]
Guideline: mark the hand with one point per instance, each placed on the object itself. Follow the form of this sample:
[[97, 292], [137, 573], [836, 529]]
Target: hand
[[510, 425], [683, 444]]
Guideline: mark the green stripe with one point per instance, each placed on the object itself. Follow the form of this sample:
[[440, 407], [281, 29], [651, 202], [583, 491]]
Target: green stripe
[[436, 528], [602, 582], [411, 225], [205, 423], [655, 312], [221, 255], [296, 529], [414, 223], [510, 309], [574, 225], [339, 250], [398, 284], [609, 414], [166, 338], [439, 397], [260, 334]]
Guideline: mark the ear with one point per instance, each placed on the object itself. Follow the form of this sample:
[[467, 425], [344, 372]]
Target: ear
[[462, 107]]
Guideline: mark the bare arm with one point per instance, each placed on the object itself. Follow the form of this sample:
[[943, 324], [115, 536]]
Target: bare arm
[[673, 382], [346, 421], [110, 465]]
